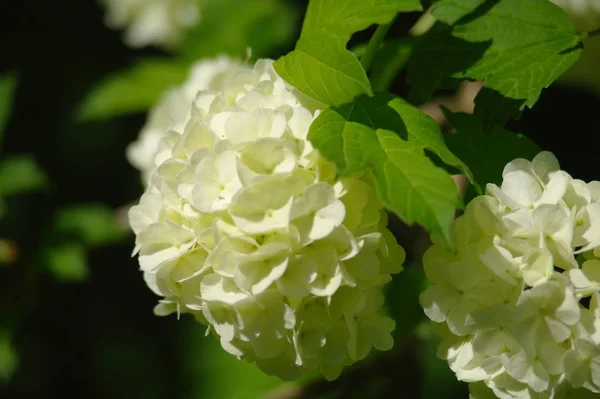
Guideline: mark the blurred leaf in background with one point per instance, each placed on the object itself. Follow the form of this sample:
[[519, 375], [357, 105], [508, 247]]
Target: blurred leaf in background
[[67, 262], [93, 224], [402, 299], [98, 338], [438, 380], [132, 90], [231, 27], [8, 357], [229, 377], [74, 230], [585, 73], [20, 173], [8, 83]]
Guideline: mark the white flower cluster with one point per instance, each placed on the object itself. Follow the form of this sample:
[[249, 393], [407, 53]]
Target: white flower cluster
[[152, 22], [174, 110], [517, 298], [245, 226], [585, 13]]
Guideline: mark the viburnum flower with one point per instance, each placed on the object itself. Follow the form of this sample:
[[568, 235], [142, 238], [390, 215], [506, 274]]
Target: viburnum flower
[[515, 300], [585, 13], [152, 22], [245, 226], [173, 110]]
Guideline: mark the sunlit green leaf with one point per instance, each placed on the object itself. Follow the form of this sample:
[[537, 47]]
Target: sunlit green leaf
[[516, 47], [389, 136], [321, 66]]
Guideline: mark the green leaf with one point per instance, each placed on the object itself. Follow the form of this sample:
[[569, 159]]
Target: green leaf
[[486, 155], [90, 224], [517, 47], [233, 26], [8, 84], [20, 173], [74, 229], [389, 136], [135, 89], [8, 357], [66, 262], [321, 66], [227, 27]]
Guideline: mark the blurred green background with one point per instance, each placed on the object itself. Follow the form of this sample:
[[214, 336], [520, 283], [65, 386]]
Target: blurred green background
[[75, 314]]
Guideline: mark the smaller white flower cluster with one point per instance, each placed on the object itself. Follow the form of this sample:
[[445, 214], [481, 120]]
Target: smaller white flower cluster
[[516, 301], [173, 110], [245, 226], [152, 22], [585, 13]]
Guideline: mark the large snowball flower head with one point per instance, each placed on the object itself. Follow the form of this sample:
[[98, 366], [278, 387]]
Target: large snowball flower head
[[160, 23], [246, 227], [173, 110], [585, 13], [516, 300]]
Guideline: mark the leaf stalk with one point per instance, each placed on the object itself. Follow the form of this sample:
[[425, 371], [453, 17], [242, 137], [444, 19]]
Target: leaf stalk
[[375, 44]]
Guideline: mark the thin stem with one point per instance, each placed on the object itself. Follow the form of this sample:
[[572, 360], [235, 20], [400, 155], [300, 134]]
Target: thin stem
[[423, 24], [374, 44], [399, 60]]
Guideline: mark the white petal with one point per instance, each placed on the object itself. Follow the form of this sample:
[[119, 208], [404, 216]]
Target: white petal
[[587, 227], [520, 187], [555, 189], [437, 302], [326, 219], [216, 288], [544, 163]]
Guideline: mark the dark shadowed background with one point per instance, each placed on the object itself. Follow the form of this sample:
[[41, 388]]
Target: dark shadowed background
[[77, 311]]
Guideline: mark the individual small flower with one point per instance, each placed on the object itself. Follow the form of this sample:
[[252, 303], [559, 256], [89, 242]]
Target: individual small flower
[[507, 299], [246, 227], [529, 184], [173, 110], [152, 22], [585, 13]]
